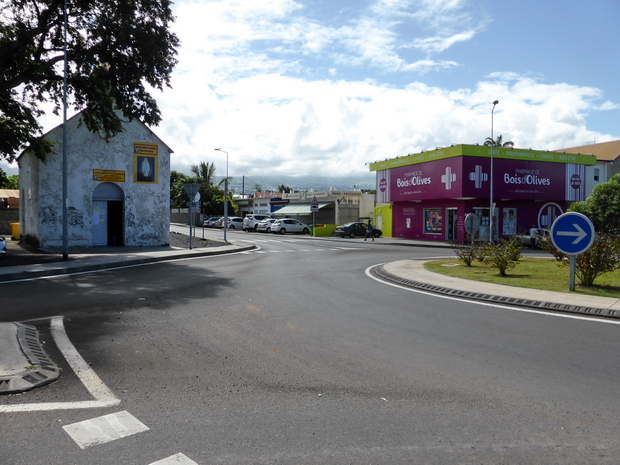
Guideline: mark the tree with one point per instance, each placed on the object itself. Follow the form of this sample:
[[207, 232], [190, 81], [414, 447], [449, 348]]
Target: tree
[[178, 195], [498, 142], [602, 207], [116, 50], [284, 189], [205, 172]]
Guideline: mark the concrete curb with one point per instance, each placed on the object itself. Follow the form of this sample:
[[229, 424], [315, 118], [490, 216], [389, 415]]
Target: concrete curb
[[498, 299]]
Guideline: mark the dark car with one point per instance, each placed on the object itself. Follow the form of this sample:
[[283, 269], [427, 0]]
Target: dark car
[[355, 229]]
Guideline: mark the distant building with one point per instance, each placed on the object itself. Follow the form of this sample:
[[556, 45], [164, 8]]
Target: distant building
[[607, 162], [118, 191], [428, 195]]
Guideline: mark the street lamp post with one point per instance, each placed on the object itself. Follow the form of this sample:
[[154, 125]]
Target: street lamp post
[[225, 195], [491, 206]]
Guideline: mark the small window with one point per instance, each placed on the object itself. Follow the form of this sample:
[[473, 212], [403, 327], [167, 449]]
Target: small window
[[597, 173]]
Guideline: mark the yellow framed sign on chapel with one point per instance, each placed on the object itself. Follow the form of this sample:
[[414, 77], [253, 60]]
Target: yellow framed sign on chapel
[[145, 163]]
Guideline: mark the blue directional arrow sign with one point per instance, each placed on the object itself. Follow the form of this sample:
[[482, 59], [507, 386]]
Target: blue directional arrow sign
[[572, 233]]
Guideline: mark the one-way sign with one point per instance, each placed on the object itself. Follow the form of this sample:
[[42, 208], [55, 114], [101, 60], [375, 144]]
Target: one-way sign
[[572, 233]]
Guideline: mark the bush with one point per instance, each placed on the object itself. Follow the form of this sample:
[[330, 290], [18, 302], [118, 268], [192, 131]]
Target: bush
[[602, 257], [513, 247], [467, 253], [500, 255]]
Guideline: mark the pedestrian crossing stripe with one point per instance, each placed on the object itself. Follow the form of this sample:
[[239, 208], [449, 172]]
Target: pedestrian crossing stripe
[[104, 429]]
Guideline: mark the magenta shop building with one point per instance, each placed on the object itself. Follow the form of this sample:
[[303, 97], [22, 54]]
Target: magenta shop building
[[428, 195]]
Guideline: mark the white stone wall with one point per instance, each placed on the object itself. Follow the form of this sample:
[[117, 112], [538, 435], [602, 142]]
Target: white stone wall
[[146, 206]]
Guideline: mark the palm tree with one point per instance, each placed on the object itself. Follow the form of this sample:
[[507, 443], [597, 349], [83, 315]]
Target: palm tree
[[498, 142], [205, 172]]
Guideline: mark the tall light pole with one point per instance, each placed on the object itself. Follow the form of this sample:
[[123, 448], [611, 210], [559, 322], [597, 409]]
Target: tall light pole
[[491, 209], [225, 195], [65, 214]]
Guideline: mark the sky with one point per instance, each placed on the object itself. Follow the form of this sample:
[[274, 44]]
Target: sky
[[325, 87]]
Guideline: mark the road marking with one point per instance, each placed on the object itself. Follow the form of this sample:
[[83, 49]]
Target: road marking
[[178, 459], [104, 397], [593, 319], [104, 429]]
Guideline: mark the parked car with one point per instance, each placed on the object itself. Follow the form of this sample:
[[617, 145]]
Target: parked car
[[2, 245], [542, 235], [251, 220], [210, 222], [289, 225], [265, 225], [235, 222], [219, 222], [355, 229]]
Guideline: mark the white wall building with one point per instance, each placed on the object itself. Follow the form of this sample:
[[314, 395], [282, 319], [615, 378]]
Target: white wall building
[[607, 162], [118, 191]]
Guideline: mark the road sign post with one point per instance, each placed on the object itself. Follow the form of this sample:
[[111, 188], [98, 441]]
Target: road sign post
[[194, 196], [472, 225], [314, 207], [572, 233]]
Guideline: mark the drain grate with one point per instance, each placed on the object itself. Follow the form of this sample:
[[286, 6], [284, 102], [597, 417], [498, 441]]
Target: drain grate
[[38, 368]]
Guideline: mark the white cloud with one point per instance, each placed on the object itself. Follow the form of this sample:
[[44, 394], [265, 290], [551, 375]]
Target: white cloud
[[286, 91]]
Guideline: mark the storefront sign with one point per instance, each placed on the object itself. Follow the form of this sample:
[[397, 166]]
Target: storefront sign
[[109, 175]]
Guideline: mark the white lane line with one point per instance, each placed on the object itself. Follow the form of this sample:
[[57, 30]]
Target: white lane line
[[104, 397], [178, 459], [104, 429], [592, 319]]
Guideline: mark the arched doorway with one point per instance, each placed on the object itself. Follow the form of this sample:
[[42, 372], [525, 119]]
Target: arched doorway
[[108, 213]]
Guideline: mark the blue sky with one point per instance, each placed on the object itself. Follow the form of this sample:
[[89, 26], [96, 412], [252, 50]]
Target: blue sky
[[325, 86]]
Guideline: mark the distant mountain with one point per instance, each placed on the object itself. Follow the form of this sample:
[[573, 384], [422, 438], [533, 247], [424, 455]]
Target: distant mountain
[[303, 183]]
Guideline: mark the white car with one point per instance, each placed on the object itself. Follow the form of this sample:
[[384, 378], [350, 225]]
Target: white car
[[251, 220], [289, 225], [2, 245], [265, 225], [235, 222]]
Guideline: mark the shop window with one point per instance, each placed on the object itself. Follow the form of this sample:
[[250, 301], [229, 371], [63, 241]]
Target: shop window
[[432, 221]]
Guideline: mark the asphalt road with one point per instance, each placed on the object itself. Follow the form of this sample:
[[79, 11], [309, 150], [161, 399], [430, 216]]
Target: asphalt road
[[293, 354]]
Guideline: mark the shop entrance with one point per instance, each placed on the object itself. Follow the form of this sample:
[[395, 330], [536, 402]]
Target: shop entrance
[[452, 226]]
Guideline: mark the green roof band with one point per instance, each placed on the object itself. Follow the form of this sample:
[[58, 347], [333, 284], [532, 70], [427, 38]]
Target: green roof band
[[484, 151]]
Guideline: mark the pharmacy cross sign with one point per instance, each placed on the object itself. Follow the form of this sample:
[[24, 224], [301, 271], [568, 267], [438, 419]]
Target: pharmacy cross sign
[[572, 233]]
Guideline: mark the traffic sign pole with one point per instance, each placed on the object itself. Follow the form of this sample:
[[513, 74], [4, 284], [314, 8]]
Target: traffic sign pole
[[572, 233]]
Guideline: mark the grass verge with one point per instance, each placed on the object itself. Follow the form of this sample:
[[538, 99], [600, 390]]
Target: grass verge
[[533, 273]]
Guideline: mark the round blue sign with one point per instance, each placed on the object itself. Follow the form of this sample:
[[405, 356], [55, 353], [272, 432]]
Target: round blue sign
[[572, 233]]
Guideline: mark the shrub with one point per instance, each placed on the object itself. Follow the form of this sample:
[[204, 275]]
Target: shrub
[[602, 257], [499, 255], [513, 247], [467, 253]]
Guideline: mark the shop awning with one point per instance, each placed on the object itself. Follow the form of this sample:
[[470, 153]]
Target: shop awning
[[298, 209]]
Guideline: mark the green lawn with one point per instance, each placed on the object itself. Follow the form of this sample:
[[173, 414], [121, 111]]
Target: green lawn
[[535, 273]]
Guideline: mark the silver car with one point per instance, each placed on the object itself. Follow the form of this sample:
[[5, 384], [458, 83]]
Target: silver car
[[289, 225]]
